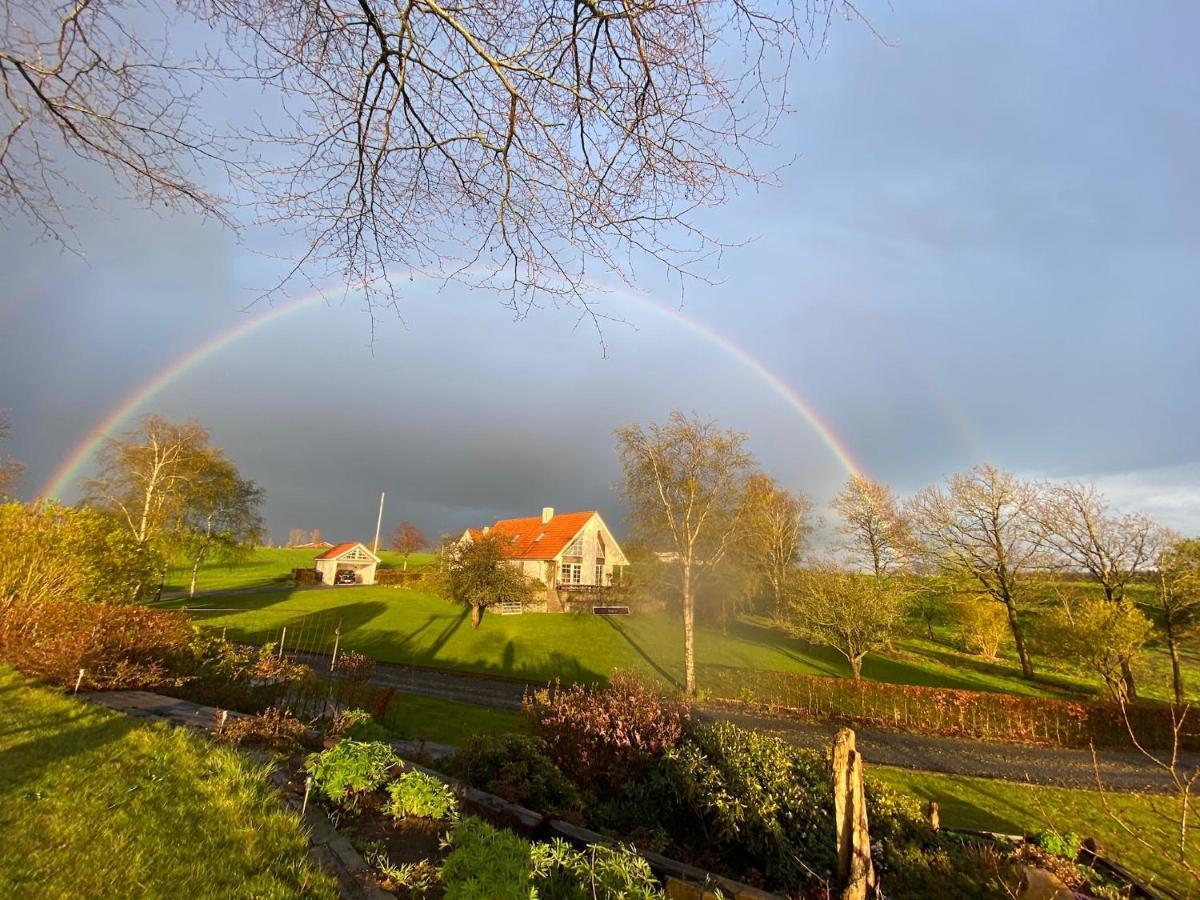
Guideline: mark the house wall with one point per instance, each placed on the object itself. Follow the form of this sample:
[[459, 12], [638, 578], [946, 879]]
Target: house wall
[[591, 535]]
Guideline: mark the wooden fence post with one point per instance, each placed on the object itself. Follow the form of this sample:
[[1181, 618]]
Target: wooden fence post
[[856, 874]]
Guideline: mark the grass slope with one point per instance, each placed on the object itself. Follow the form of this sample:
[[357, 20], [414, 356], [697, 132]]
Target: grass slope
[[416, 718], [1010, 808], [407, 626], [93, 804], [267, 566]]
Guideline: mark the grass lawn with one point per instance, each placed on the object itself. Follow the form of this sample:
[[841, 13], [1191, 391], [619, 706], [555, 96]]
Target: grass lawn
[[1010, 808], [407, 626], [416, 718], [93, 804], [266, 566]]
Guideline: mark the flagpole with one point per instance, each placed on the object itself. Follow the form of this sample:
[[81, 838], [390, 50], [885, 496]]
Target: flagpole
[[378, 524]]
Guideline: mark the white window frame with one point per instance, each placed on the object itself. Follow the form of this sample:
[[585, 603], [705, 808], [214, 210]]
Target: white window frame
[[570, 573]]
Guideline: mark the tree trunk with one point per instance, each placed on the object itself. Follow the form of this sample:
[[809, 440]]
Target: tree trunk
[[689, 644], [476, 615], [1176, 671], [195, 570], [1130, 687], [405, 562], [856, 667], [1019, 639]]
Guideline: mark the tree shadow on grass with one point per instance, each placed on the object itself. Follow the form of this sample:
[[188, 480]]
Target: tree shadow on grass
[[637, 648], [23, 762]]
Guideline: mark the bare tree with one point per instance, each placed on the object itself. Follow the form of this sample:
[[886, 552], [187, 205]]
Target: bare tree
[[1102, 635], [984, 525], [10, 469], [853, 613], [1179, 600], [685, 487], [874, 529], [774, 531], [1110, 549], [516, 144], [406, 539], [296, 537]]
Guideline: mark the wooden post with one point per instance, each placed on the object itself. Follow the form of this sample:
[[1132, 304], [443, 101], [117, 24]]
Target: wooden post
[[337, 639], [282, 639], [856, 874], [78, 681], [935, 816], [307, 789]]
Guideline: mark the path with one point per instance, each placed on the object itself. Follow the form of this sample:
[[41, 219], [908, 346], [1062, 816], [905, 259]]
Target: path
[[1119, 770]]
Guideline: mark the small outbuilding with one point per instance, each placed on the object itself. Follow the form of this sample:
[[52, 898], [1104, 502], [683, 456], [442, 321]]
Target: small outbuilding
[[353, 558]]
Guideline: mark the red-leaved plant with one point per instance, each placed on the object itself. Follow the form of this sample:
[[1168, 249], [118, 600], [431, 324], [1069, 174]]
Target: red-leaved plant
[[603, 736]]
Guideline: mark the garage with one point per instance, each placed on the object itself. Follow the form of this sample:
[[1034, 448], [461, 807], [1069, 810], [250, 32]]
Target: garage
[[354, 559]]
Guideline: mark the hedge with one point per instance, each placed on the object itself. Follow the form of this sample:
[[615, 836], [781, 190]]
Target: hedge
[[992, 716]]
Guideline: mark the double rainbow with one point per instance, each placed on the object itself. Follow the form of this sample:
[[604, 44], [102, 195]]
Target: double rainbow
[[69, 469]]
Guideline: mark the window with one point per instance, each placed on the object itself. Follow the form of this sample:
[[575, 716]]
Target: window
[[576, 549], [570, 573], [600, 572]]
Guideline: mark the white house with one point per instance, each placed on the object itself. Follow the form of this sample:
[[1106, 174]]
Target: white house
[[567, 551], [352, 557]]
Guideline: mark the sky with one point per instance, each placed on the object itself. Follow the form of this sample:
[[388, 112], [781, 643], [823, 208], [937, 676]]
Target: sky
[[985, 249]]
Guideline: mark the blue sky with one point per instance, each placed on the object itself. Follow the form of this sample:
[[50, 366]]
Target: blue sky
[[985, 248]]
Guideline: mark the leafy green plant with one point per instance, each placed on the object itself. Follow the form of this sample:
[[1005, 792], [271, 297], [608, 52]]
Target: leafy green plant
[[562, 872], [357, 724], [406, 879], [350, 768], [1065, 844], [514, 767], [486, 862], [420, 795]]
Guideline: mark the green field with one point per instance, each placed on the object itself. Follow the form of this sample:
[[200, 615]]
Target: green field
[[406, 626], [93, 804], [267, 566], [1009, 808], [416, 718]]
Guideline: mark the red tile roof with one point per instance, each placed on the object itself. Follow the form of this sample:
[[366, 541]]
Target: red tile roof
[[337, 550], [530, 539]]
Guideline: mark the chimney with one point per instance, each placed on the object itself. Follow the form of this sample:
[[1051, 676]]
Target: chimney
[[487, 528], [547, 514]]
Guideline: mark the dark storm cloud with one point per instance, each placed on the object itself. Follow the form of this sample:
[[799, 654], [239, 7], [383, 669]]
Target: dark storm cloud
[[985, 248]]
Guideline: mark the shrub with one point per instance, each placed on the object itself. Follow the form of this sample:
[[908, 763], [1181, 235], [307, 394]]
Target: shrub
[[117, 646], [421, 796], [980, 625], [275, 728], [355, 667], [350, 768], [603, 736], [236, 676], [514, 767], [564, 873], [357, 724], [306, 576], [54, 552]]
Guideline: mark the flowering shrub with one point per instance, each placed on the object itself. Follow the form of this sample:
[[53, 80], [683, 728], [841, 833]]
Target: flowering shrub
[[1063, 723], [603, 736], [117, 646]]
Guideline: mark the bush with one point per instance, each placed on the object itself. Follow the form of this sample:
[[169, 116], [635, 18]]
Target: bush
[[355, 667], [306, 576], [350, 768], [235, 676], [421, 796], [980, 625], [604, 736], [486, 862], [118, 646], [399, 577], [274, 728], [514, 767], [57, 553], [357, 724]]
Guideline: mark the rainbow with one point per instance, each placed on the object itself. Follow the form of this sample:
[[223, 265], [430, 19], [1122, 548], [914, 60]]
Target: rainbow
[[71, 466]]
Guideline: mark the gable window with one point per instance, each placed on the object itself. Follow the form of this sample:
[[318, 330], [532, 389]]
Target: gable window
[[576, 548]]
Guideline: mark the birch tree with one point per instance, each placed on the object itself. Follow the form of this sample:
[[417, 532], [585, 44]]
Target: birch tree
[[1179, 601], [774, 532], [984, 525], [514, 144], [10, 469], [873, 526], [1110, 549], [685, 486], [223, 513]]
